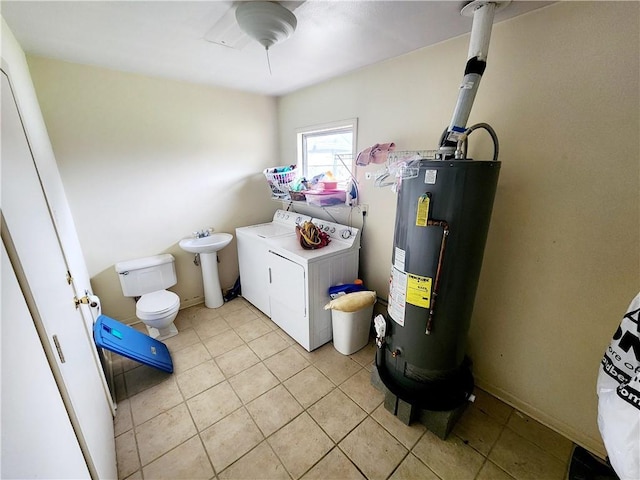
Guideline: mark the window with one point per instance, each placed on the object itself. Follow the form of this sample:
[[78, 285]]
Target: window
[[328, 148]]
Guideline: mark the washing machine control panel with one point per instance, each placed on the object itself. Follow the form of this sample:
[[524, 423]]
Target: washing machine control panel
[[342, 233], [283, 217]]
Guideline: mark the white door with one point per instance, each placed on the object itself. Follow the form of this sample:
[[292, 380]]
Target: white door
[[51, 183], [38, 440], [288, 297], [35, 252]]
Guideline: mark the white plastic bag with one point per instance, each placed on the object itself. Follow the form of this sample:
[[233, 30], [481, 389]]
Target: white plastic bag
[[352, 302], [619, 396]]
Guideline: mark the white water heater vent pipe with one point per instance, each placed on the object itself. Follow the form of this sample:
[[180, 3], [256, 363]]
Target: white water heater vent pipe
[[483, 13]]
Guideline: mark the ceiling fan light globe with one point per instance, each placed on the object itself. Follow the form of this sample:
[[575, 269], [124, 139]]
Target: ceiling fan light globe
[[266, 22]]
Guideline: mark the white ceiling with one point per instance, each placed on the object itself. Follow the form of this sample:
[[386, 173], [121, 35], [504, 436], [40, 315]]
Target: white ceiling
[[169, 38]]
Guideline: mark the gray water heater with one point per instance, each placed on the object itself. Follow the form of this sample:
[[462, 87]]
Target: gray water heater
[[442, 220]]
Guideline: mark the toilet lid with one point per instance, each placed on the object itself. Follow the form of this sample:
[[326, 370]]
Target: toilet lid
[[157, 302]]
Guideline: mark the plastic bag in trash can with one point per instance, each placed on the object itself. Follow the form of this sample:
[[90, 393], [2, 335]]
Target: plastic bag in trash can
[[619, 396], [352, 302]]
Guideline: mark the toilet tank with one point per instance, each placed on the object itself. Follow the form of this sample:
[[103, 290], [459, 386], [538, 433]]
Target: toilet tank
[[146, 275]]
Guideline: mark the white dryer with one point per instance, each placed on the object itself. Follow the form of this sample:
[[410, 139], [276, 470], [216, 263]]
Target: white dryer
[[253, 250], [299, 280]]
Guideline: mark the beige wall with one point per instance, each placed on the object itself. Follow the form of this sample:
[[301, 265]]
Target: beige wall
[[146, 161], [562, 258]]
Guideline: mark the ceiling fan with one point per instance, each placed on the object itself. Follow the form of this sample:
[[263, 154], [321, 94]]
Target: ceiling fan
[[263, 21]]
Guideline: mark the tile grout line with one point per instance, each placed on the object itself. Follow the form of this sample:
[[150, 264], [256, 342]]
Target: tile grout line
[[133, 428], [184, 400]]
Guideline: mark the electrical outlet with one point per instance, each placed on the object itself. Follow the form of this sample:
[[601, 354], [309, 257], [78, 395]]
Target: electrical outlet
[[368, 176]]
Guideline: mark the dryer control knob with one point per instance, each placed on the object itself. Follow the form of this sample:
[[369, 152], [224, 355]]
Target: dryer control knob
[[298, 219], [333, 229], [326, 229], [345, 234], [287, 217]]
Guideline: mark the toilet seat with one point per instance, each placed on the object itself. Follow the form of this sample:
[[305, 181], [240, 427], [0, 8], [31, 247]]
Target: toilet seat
[[157, 304]]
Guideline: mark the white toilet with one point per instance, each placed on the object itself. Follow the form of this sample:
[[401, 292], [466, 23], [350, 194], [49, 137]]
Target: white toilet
[[147, 278]]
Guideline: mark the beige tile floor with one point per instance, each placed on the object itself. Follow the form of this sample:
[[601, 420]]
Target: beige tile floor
[[246, 402]]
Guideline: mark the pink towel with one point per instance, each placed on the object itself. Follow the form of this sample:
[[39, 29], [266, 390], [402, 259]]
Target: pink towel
[[375, 154]]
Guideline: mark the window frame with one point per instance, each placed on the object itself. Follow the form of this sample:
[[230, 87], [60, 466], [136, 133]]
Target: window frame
[[302, 134]]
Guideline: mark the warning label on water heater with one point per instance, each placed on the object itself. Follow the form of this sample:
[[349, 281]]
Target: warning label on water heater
[[419, 290], [430, 177], [398, 259], [397, 295]]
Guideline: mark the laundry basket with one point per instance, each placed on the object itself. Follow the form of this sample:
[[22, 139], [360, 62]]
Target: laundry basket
[[279, 179]]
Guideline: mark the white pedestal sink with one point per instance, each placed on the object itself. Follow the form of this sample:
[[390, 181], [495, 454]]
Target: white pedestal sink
[[208, 247]]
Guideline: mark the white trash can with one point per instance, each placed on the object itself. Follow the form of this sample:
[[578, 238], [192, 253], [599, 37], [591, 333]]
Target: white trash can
[[351, 329]]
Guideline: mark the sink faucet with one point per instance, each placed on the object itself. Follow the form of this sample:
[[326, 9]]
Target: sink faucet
[[203, 233]]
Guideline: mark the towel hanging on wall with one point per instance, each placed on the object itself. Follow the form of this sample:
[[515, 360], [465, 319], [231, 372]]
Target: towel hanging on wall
[[375, 154]]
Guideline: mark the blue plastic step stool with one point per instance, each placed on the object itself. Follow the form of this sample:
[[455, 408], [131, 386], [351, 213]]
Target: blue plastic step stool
[[128, 342]]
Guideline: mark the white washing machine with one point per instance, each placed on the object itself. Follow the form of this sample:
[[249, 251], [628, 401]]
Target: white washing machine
[[253, 251], [299, 280]]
